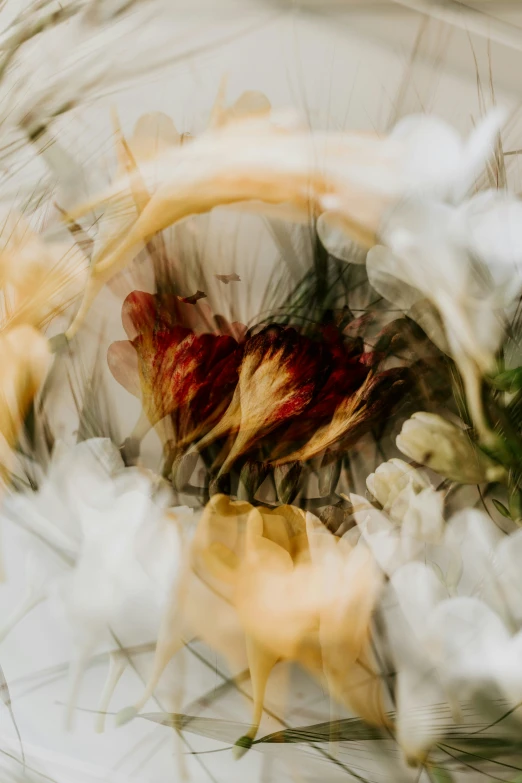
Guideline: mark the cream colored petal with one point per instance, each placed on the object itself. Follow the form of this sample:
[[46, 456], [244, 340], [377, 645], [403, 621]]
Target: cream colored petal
[[254, 159], [26, 359]]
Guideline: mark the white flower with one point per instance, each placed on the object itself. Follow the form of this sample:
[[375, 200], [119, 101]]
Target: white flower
[[462, 260], [104, 550], [389, 481], [452, 633], [449, 262], [412, 516]]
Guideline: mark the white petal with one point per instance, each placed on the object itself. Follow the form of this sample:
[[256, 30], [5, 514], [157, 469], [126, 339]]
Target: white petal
[[477, 149], [476, 538], [492, 225], [507, 564], [381, 536], [467, 642], [433, 152], [389, 275], [336, 241], [418, 591]]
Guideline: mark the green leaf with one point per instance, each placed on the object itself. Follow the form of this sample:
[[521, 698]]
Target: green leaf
[[501, 508], [509, 380], [515, 505], [211, 728], [440, 775], [347, 730]]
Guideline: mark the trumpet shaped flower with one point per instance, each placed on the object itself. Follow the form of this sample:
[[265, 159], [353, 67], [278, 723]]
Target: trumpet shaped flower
[[411, 520], [277, 380], [447, 449], [271, 585], [101, 548], [176, 362], [454, 626]]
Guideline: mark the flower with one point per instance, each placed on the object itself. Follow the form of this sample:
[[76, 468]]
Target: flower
[[411, 521], [458, 260], [355, 413], [38, 279], [447, 449], [174, 363], [389, 481], [269, 160], [299, 395], [26, 359], [311, 599], [277, 380], [139, 174], [453, 634], [446, 260], [101, 548], [342, 370], [353, 176], [270, 584]]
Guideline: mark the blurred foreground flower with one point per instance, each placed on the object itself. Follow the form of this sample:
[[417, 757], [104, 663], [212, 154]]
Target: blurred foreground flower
[[26, 358], [358, 178], [268, 161], [100, 546], [453, 636], [450, 262], [447, 449], [266, 583], [38, 281]]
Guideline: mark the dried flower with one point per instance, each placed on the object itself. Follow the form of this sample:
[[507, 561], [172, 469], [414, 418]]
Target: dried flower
[[356, 413], [277, 380], [447, 449], [342, 369], [174, 364]]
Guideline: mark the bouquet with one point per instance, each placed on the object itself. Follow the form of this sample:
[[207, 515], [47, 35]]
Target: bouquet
[[302, 474]]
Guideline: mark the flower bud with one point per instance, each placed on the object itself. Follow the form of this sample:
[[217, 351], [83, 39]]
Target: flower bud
[[447, 449], [391, 478]]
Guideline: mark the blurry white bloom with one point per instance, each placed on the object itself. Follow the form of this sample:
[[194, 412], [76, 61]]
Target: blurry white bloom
[[452, 633], [447, 449], [461, 259], [411, 519], [437, 161], [449, 263], [104, 550]]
